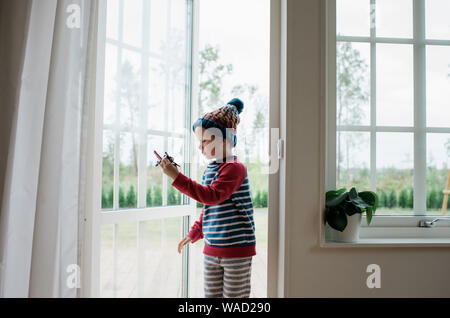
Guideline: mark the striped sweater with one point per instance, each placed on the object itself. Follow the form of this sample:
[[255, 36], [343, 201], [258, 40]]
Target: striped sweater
[[226, 222]]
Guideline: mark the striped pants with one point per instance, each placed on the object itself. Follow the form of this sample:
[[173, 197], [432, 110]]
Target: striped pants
[[227, 277]]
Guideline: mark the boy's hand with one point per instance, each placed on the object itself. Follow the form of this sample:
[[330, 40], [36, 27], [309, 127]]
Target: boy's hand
[[183, 242], [168, 168]]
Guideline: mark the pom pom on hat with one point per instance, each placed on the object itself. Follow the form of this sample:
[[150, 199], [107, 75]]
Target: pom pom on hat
[[238, 103]]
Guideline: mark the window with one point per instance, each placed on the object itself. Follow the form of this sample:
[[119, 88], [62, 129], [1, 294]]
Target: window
[[388, 104], [146, 96]]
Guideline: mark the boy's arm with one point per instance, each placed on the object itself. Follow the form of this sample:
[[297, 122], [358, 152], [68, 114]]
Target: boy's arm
[[196, 231], [229, 180]]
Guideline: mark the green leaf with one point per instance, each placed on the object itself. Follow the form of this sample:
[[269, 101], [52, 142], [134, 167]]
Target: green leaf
[[350, 208], [333, 201], [353, 194], [360, 203], [368, 196], [334, 193], [369, 215], [337, 219]]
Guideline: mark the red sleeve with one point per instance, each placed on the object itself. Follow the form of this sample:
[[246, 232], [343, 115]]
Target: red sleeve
[[196, 231], [230, 178]]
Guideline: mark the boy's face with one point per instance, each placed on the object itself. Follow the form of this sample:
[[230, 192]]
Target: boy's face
[[209, 144]]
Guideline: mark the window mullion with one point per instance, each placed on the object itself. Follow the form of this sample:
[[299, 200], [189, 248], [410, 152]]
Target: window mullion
[[373, 99], [420, 183], [331, 127]]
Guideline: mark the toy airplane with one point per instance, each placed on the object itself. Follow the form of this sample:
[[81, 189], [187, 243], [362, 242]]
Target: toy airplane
[[165, 156]]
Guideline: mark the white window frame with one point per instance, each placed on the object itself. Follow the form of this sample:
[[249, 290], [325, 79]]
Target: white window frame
[[95, 217], [386, 230]]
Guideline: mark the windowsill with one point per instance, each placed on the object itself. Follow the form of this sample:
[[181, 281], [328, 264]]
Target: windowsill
[[391, 242]]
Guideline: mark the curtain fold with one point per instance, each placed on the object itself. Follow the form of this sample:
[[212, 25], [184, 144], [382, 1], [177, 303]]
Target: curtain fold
[[41, 223]]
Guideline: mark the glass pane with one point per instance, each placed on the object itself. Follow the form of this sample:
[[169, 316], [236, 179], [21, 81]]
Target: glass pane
[[132, 22], [162, 268], [353, 83], [394, 18], [353, 17], [178, 16], [128, 170], [112, 19], [130, 90], [176, 150], [353, 160], [438, 165], [177, 105], [395, 173], [437, 19], [110, 85], [395, 94], [108, 170], [154, 174], [438, 84], [158, 24], [157, 96], [118, 260], [107, 261]]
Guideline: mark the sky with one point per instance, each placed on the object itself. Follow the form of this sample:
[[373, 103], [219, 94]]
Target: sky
[[241, 28]]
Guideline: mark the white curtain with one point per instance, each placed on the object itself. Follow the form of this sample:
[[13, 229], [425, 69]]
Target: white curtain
[[42, 212]]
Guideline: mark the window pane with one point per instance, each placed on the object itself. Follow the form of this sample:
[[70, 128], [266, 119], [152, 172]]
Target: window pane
[[108, 170], [130, 92], [438, 165], [154, 174], [157, 95], [158, 24], [395, 95], [162, 264], [353, 83], [438, 84], [437, 23], [128, 170], [112, 19], [394, 18], [110, 85], [353, 17], [132, 22], [154, 260], [107, 261], [353, 160], [395, 172]]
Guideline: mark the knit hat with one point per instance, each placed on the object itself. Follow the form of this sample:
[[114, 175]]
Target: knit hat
[[222, 118]]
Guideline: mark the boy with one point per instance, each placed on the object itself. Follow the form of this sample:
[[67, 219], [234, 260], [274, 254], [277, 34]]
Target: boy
[[226, 222]]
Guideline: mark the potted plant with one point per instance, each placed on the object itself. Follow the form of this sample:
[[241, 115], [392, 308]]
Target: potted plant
[[343, 212]]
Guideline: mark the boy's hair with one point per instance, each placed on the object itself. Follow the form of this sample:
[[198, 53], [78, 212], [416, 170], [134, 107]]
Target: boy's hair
[[225, 118]]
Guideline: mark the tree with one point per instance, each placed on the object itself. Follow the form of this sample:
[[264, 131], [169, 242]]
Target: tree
[[384, 200], [392, 202], [211, 74], [411, 198], [257, 200], [264, 199], [149, 197], [432, 199], [171, 198], [403, 199], [131, 198], [352, 93], [157, 196], [122, 202]]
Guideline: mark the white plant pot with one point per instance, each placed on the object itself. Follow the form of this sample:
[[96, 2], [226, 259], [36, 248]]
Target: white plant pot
[[351, 231]]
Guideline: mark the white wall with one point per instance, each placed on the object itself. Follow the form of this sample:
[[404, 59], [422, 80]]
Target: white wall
[[312, 271]]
